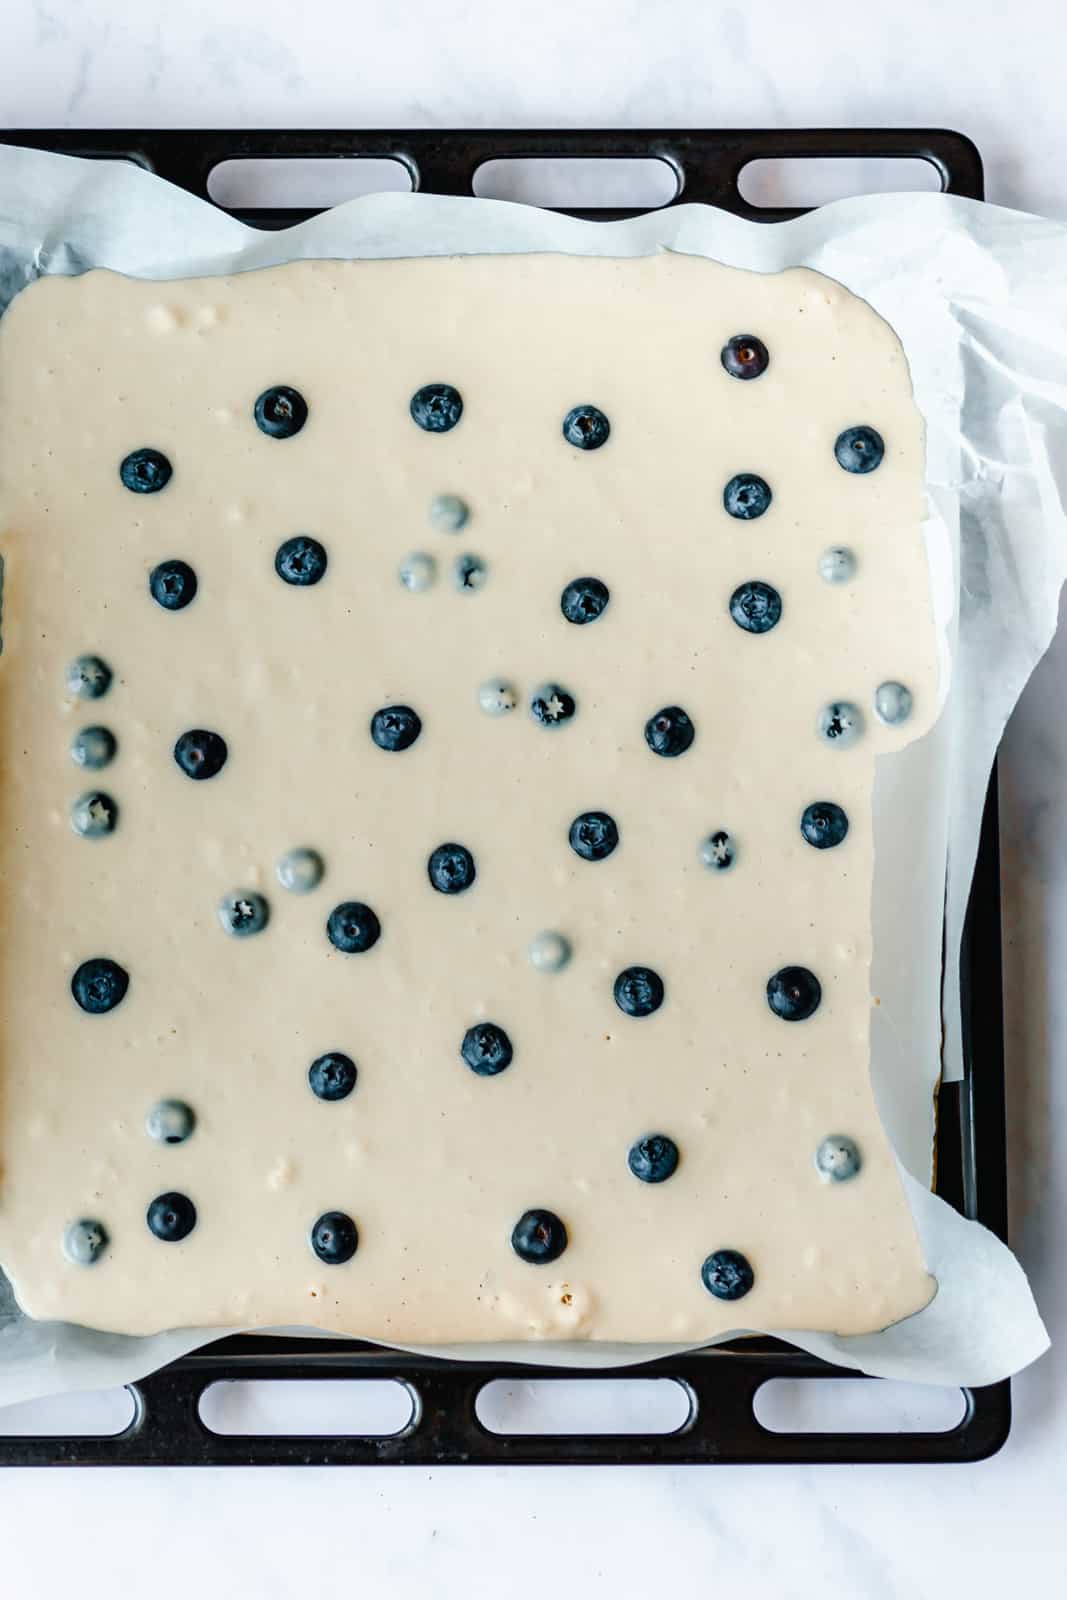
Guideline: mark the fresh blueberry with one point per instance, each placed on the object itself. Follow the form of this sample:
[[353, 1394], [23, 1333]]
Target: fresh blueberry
[[823, 824], [395, 727], [417, 571], [727, 1275], [94, 815], [837, 1158], [744, 356], [549, 951], [486, 1049], [93, 748], [793, 993], [756, 607], [85, 1241], [859, 449], [280, 412], [300, 871], [583, 600], [551, 705], [837, 564], [593, 835], [654, 1158], [718, 851], [669, 732], [243, 913], [99, 985], [353, 928], [145, 471], [332, 1076], [638, 991], [436, 407], [746, 496], [334, 1238], [840, 723], [201, 753], [497, 697], [892, 703], [171, 1217], [172, 585], [539, 1237], [170, 1122], [586, 428], [88, 678], [469, 572], [300, 561], [449, 513], [451, 868]]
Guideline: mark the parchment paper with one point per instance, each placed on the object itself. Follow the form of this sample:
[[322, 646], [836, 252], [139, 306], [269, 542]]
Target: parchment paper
[[978, 297]]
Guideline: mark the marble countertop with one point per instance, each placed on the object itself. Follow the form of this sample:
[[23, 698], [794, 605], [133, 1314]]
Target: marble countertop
[[753, 1533]]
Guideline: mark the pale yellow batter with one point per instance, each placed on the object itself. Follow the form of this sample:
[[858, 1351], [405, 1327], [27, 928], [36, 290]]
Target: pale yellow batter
[[433, 1163]]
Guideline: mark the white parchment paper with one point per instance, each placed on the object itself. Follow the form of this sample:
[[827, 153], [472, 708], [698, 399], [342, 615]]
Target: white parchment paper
[[978, 297]]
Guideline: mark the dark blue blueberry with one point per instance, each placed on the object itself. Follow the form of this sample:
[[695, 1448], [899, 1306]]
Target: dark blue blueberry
[[395, 727], [744, 356], [88, 678], [93, 748], [638, 991], [171, 1217], [486, 1049], [654, 1158], [200, 753], [859, 449], [172, 585], [746, 496], [85, 1241], [99, 985], [437, 407], [300, 561], [756, 607], [170, 1122], [280, 412], [451, 868], [583, 600], [353, 927], [94, 815], [243, 913], [145, 471], [670, 732], [334, 1238], [823, 824], [332, 1076], [539, 1237], [593, 835], [586, 428], [793, 993], [551, 705], [718, 851], [727, 1275]]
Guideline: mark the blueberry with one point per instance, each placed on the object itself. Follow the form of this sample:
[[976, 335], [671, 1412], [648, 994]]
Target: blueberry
[[718, 852], [93, 748], [99, 985], [583, 600], [669, 732], [551, 705], [859, 449], [94, 815], [417, 571], [172, 585], [586, 428], [539, 1237], [653, 1159], [756, 607], [838, 1158], [280, 412], [436, 407], [451, 868], [638, 991], [332, 1076], [593, 835], [497, 697], [550, 951], [449, 513], [395, 727], [744, 356], [334, 1238], [353, 928], [85, 1241], [823, 824], [727, 1275], [837, 564], [793, 993], [201, 753], [145, 471], [171, 1217], [469, 572], [892, 703], [840, 723], [243, 913], [300, 561], [300, 871], [746, 496], [88, 678], [170, 1122], [486, 1049]]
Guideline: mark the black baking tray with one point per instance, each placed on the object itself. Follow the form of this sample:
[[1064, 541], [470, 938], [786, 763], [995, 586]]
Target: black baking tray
[[971, 1159]]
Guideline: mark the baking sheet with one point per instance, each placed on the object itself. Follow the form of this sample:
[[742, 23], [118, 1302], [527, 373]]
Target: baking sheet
[[978, 297]]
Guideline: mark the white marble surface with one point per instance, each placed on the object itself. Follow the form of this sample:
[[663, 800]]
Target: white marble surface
[[755, 1534]]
